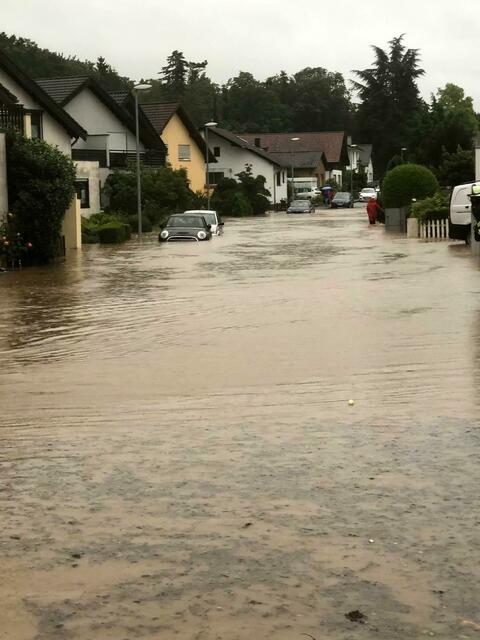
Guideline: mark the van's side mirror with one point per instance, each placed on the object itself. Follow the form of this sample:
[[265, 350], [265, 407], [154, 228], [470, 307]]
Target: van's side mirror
[[221, 224]]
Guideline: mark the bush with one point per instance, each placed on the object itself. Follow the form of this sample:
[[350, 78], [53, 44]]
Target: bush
[[132, 221], [406, 182], [246, 197], [91, 226], [434, 208], [114, 232], [41, 186]]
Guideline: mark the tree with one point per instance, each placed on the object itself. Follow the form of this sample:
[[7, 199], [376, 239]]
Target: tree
[[457, 167], [448, 124], [41, 186], [244, 196], [390, 100], [174, 75], [249, 105], [321, 101], [164, 191]]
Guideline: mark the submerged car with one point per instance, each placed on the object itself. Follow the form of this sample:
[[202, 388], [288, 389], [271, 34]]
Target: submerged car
[[342, 199], [183, 226], [367, 193], [211, 217], [301, 206]]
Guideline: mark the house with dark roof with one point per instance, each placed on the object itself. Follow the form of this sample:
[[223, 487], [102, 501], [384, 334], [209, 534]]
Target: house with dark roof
[[186, 149], [111, 139], [313, 154], [233, 152], [26, 107]]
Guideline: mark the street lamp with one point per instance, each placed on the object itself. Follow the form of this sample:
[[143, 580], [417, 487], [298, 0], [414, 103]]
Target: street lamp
[[136, 89], [207, 125], [291, 151], [401, 152], [352, 146]]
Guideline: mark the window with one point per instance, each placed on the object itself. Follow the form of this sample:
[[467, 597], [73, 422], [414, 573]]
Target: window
[[216, 152], [184, 152], [83, 193], [257, 142], [283, 177], [215, 177], [278, 178], [36, 119]]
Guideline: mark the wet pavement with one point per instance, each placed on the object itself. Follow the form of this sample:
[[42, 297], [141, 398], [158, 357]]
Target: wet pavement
[[179, 458]]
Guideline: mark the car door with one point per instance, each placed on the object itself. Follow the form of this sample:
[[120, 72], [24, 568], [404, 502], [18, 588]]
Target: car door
[[460, 207]]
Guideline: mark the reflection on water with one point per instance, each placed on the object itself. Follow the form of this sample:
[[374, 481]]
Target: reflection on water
[[179, 459], [275, 301]]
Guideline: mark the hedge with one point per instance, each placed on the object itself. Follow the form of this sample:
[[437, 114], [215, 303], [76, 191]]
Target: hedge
[[407, 182], [114, 232]]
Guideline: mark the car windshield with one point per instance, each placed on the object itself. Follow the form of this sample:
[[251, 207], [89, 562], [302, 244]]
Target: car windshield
[[368, 190], [341, 196], [185, 221], [210, 218], [299, 203]]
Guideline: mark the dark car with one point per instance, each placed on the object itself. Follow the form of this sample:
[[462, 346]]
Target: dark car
[[342, 199], [183, 226], [301, 206]]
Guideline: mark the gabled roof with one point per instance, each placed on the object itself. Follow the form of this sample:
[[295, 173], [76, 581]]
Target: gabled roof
[[41, 97], [160, 113], [330, 142], [300, 159], [243, 143], [64, 89]]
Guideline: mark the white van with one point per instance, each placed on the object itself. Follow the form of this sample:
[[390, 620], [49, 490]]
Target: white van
[[460, 215], [212, 218]]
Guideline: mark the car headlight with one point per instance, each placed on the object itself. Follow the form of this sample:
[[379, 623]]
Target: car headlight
[[201, 235], [164, 234]]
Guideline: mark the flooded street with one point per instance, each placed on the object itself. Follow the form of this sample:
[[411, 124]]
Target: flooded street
[[179, 458]]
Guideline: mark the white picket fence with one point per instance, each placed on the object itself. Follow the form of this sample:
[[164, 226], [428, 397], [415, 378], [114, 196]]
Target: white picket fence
[[434, 230]]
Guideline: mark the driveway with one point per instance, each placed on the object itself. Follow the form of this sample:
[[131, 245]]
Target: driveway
[[180, 459]]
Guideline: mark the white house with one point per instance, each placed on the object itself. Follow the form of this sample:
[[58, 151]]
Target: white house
[[110, 142], [361, 154], [233, 153], [26, 107]]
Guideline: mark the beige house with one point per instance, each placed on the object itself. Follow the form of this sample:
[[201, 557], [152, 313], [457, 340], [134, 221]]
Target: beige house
[[186, 148]]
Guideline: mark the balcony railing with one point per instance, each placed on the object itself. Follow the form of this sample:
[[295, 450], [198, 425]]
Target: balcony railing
[[121, 159], [11, 117]]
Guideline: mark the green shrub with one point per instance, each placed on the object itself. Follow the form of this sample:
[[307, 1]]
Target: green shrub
[[133, 223], [406, 182], [434, 208], [41, 186], [113, 232]]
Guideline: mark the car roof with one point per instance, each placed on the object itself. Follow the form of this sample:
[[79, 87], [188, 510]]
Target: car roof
[[200, 211]]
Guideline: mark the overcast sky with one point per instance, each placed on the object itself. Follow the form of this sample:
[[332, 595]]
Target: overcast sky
[[260, 36]]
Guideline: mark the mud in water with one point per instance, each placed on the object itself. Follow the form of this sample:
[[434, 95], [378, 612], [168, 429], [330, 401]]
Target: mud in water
[[179, 458]]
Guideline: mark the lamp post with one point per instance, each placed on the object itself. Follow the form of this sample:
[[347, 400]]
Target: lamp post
[[136, 89], [401, 152], [292, 158], [352, 146], [207, 125]]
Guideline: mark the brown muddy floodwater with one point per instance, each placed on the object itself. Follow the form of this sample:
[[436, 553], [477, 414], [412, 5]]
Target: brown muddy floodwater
[[179, 458]]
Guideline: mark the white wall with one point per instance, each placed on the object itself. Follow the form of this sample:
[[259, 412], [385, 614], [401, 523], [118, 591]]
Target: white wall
[[477, 163], [3, 178], [233, 159], [97, 119], [53, 132]]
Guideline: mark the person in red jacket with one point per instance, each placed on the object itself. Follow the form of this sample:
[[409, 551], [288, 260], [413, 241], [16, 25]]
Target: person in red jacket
[[372, 210]]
